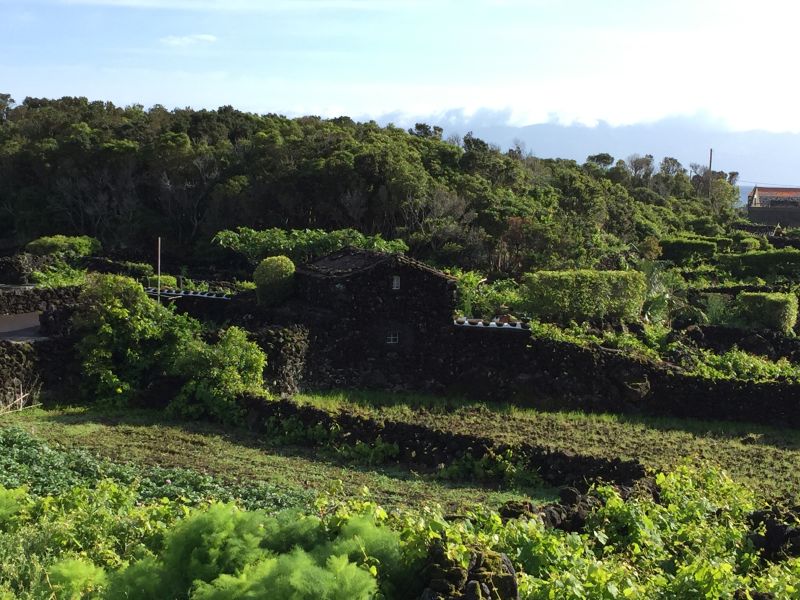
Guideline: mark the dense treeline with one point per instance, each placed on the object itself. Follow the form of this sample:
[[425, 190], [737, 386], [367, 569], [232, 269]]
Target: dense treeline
[[127, 174]]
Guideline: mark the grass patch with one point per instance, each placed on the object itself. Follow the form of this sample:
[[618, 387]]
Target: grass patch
[[145, 438], [765, 458]]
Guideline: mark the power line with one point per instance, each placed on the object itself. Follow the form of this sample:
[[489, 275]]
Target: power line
[[770, 184]]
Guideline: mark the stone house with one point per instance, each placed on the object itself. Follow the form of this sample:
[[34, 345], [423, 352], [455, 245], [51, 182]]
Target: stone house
[[394, 296], [774, 206], [383, 313]]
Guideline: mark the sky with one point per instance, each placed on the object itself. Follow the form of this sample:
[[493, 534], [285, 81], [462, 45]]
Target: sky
[[728, 65]]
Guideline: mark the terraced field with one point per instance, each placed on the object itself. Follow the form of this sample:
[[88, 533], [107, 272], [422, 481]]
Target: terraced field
[[765, 458], [146, 439]]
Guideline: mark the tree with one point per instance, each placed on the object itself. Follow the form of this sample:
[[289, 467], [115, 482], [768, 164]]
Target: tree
[[604, 160], [6, 104]]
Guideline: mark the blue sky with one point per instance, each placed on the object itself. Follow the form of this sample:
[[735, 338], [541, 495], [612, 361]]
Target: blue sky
[[566, 61]]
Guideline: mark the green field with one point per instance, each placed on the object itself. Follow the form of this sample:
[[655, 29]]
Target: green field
[[767, 459], [145, 438]]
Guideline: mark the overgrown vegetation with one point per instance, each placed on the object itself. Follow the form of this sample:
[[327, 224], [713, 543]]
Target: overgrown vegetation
[[130, 346], [80, 245], [300, 245], [99, 542], [111, 172]]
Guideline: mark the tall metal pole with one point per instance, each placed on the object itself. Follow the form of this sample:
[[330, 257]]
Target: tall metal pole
[[158, 272]]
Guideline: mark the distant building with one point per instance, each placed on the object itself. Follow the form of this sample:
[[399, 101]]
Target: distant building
[[774, 206]]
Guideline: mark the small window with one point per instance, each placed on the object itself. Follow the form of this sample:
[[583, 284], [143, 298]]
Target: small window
[[396, 282], [393, 337]]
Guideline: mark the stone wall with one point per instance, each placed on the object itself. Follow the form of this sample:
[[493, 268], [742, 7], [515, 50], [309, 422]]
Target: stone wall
[[19, 372], [510, 366], [25, 300], [286, 349], [763, 342], [48, 369], [786, 216], [17, 269]]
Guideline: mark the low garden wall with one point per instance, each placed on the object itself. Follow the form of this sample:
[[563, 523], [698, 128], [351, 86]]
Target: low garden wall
[[25, 300], [422, 445], [17, 269], [506, 366], [44, 369]]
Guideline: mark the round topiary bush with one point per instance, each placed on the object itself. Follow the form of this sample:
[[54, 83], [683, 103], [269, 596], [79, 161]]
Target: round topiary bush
[[274, 279]]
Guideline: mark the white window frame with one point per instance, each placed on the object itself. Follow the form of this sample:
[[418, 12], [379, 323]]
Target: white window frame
[[395, 282], [393, 337]]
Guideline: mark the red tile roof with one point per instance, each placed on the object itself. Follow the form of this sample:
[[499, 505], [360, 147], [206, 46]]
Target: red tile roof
[[780, 192]]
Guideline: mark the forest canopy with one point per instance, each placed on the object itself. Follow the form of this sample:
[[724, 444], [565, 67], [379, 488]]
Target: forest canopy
[[127, 174]]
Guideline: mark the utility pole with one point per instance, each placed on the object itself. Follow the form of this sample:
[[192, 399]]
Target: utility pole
[[158, 272]]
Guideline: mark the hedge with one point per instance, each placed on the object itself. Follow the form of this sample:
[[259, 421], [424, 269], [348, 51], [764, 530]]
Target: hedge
[[774, 310], [784, 262], [274, 278], [167, 281], [583, 295], [684, 250], [80, 245]]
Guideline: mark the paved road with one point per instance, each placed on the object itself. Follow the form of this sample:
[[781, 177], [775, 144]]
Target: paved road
[[20, 328]]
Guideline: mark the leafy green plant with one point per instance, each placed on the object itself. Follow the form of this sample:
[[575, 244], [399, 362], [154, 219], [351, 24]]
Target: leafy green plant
[[737, 364], [479, 298], [768, 264], [767, 310], [59, 274], [274, 279], [81, 245], [167, 281], [300, 244], [582, 295], [129, 341], [686, 250], [216, 375]]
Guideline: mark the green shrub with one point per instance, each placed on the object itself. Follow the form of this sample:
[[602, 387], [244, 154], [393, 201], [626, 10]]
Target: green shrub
[[274, 279], [783, 263], [81, 245], [767, 310], [746, 242], [167, 282], [682, 250], [582, 295], [217, 375], [222, 539], [136, 270], [128, 341], [300, 244], [75, 578], [479, 298], [58, 274]]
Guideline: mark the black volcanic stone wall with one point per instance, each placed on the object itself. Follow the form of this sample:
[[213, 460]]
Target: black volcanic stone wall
[[50, 366], [25, 300], [763, 342], [286, 349], [430, 447], [17, 269], [509, 366], [19, 370]]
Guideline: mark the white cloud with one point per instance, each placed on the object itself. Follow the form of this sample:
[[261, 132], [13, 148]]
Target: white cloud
[[188, 40]]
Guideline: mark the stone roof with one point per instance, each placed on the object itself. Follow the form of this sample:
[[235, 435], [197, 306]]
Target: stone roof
[[350, 261]]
